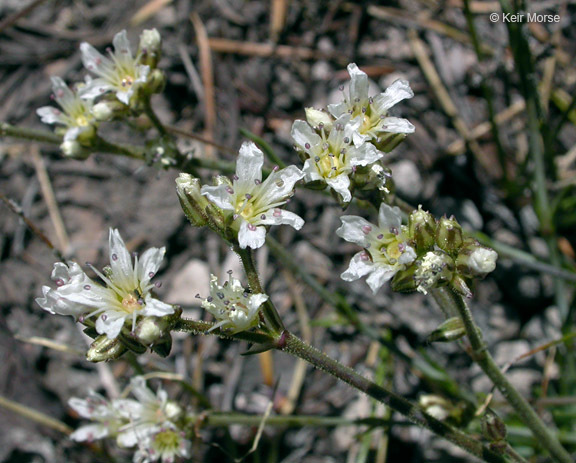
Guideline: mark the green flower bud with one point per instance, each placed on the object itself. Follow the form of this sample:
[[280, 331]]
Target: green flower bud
[[459, 285], [155, 82], [475, 260], [389, 141], [105, 349], [150, 47], [422, 229], [433, 270], [493, 427], [451, 330], [449, 235], [74, 150], [196, 206], [108, 110], [375, 177], [436, 406], [403, 281], [150, 330]]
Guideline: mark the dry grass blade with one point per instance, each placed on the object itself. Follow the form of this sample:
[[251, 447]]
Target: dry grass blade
[[147, 11], [207, 73], [34, 415], [50, 344], [277, 18], [10, 20], [50, 198]]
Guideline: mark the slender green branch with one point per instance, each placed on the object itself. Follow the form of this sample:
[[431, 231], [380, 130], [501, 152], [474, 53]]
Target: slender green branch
[[7, 130], [481, 356], [298, 348], [270, 313], [153, 117], [105, 146], [199, 327]]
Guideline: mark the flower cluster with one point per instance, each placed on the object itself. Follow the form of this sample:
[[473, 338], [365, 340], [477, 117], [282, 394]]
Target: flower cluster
[[386, 247], [127, 76], [424, 255], [251, 203], [353, 135], [232, 306], [125, 298], [151, 422]]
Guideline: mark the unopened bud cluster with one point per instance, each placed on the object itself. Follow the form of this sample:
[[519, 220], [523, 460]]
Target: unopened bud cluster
[[445, 256]]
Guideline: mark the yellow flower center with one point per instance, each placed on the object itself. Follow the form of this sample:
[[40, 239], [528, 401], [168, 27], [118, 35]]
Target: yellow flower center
[[329, 166], [166, 440], [130, 303], [127, 81], [81, 121]]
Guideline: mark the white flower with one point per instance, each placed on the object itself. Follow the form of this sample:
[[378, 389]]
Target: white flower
[[165, 446], [96, 408], [75, 114], [332, 155], [126, 296], [254, 203], [121, 73], [372, 112], [233, 307], [145, 416], [386, 251]]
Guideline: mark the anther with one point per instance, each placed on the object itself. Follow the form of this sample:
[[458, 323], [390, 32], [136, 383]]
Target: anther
[[87, 287], [307, 146], [114, 257]]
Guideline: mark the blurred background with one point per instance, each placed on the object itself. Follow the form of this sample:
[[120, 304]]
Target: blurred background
[[495, 145]]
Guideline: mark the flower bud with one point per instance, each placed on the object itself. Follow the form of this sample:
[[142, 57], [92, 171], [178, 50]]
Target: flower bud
[[199, 210], [475, 260], [435, 405], [403, 281], [155, 82], [74, 150], [451, 330], [375, 177], [389, 141], [151, 329], [107, 110], [493, 427], [318, 119], [105, 349], [449, 235], [150, 47], [459, 285], [422, 229]]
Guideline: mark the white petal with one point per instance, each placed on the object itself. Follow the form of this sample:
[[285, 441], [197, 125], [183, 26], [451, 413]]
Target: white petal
[[338, 109], [408, 256], [396, 125], [341, 184], [50, 115], [124, 96], [279, 185], [389, 217], [282, 217], [156, 308], [256, 300], [380, 275], [62, 92], [120, 262], [73, 132], [310, 171], [141, 391], [128, 408], [94, 88], [360, 265], [358, 85], [219, 195], [315, 117], [365, 154], [122, 45], [93, 60], [89, 433], [398, 91], [149, 263], [355, 230], [111, 324], [251, 236], [302, 134], [248, 167]]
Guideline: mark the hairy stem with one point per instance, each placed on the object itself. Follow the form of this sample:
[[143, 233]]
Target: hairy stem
[[483, 358]]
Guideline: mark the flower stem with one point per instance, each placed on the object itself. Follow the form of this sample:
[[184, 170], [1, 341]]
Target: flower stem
[[7, 130], [198, 327], [481, 356], [270, 313], [154, 118], [294, 346]]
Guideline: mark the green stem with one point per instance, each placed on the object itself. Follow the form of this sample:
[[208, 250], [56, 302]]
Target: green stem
[[196, 327], [270, 313], [154, 118], [130, 151], [7, 130], [483, 358], [298, 348]]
